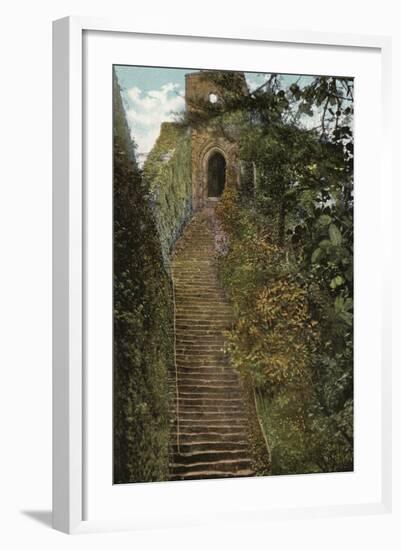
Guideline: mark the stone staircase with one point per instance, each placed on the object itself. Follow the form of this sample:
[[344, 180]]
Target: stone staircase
[[209, 435]]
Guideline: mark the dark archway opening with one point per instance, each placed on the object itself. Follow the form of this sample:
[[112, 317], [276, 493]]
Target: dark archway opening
[[216, 175]]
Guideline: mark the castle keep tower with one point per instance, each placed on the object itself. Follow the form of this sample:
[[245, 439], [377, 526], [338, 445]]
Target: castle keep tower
[[215, 162]]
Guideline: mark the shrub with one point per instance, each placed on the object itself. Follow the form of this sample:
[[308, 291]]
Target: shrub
[[280, 340]]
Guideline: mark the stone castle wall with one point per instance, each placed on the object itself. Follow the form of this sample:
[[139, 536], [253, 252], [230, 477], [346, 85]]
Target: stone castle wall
[[167, 171], [177, 167], [207, 140]]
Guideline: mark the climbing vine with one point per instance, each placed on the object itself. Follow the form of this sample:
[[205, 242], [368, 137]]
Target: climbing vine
[[288, 270], [142, 322]]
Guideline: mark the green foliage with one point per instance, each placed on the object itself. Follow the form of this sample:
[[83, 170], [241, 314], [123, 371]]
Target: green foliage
[[167, 172], [273, 335], [288, 270], [142, 303]]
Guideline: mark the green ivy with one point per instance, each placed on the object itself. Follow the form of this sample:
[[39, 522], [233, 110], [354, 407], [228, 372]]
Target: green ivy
[[142, 321]]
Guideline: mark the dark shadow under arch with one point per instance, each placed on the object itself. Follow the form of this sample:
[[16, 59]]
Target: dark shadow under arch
[[216, 175]]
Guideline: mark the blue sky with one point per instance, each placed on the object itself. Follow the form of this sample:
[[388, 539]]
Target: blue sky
[[153, 95]]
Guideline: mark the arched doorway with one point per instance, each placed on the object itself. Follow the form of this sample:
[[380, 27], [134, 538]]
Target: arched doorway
[[216, 175]]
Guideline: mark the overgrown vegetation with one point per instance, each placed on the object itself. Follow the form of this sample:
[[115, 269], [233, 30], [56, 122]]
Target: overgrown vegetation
[[288, 268], [143, 314], [285, 259], [168, 175]]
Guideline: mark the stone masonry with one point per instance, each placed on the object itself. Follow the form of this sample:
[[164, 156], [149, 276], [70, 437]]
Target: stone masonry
[[209, 140]]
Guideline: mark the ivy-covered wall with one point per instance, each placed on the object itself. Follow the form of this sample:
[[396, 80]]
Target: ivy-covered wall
[[168, 174], [143, 322]]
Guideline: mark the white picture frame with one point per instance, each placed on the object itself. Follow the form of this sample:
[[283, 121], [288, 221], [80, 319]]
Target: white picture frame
[[70, 257]]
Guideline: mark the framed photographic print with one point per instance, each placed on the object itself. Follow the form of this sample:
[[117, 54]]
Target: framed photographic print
[[220, 320]]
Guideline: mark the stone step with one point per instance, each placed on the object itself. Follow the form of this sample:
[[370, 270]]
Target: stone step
[[195, 438], [203, 368], [197, 352], [196, 320], [219, 396], [216, 360], [226, 387], [203, 295], [227, 465], [208, 454], [228, 376], [202, 448], [201, 340], [220, 427], [209, 412], [198, 406], [207, 341], [197, 360], [227, 418], [182, 304], [194, 329], [204, 413], [209, 427], [211, 474], [197, 327], [226, 380], [202, 316], [200, 312], [192, 284], [184, 408]]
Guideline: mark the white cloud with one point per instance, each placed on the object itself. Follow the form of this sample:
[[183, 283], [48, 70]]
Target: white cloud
[[254, 80], [146, 111]]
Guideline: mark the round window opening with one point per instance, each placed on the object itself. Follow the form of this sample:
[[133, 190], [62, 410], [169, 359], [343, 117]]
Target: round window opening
[[213, 98]]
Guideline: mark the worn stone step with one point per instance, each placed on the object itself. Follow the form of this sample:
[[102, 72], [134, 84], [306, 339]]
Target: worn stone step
[[209, 413], [207, 315], [227, 377], [202, 344], [204, 447], [209, 455], [203, 368], [205, 397], [201, 298], [206, 401], [200, 352], [207, 352], [204, 295], [225, 386], [204, 321], [202, 341], [211, 474], [202, 425], [209, 336], [197, 361], [210, 436], [228, 465], [191, 427], [201, 316], [196, 328], [198, 288], [195, 306], [227, 380], [196, 320], [194, 406], [214, 418], [217, 396]]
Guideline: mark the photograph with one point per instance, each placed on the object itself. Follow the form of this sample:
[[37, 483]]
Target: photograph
[[233, 274]]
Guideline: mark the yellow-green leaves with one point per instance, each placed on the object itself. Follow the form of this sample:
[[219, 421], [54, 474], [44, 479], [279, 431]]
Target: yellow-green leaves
[[335, 235]]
